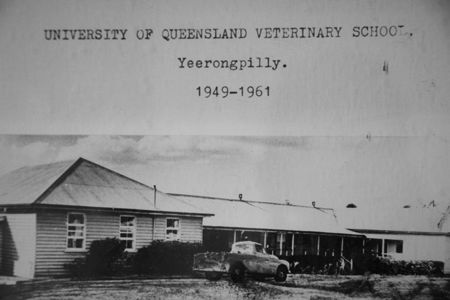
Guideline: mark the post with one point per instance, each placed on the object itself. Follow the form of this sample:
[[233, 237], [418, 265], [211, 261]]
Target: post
[[382, 248], [234, 237], [342, 246], [154, 229], [154, 198], [281, 243], [265, 240], [293, 239], [318, 244]]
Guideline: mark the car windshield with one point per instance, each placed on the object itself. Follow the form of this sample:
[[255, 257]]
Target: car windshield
[[248, 248], [243, 248], [259, 248]]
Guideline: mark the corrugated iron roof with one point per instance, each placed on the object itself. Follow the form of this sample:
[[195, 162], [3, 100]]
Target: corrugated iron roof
[[84, 183], [25, 185], [401, 219], [270, 216]]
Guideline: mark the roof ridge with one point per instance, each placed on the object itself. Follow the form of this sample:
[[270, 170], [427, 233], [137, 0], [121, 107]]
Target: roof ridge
[[206, 197], [248, 201], [72, 168], [118, 174], [58, 180]]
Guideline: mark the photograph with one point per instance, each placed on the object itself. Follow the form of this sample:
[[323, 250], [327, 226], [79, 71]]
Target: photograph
[[336, 216], [210, 149]]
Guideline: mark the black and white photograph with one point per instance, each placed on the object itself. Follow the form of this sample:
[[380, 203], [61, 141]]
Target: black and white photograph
[[224, 149]]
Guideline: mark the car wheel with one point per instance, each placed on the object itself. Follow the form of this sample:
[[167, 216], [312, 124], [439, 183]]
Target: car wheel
[[213, 276], [281, 274], [237, 272]]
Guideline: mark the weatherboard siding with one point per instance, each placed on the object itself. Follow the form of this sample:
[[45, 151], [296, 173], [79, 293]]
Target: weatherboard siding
[[19, 244], [51, 253], [144, 230], [191, 229], [160, 228], [1, 243]]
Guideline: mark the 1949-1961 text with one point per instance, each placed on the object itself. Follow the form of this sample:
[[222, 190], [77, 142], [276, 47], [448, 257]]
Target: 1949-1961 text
[[225, 91]]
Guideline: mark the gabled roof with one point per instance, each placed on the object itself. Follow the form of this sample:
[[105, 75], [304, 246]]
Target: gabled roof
[[231, 213], [410, 220], [85, 184], [25, 185]]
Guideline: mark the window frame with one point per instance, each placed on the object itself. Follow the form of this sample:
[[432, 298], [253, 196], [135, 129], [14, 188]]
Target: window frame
[[134, 230], [178, 229], [83, 237], [398, 246]]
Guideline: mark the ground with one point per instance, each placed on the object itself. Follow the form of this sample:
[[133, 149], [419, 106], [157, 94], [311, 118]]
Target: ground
[[314, 287]]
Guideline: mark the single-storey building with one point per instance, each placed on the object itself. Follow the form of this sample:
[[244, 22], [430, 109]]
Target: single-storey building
[[50, 214], [403, 233], [284, 229]]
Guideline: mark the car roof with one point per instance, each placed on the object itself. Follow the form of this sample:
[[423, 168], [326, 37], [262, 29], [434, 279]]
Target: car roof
[[247, 242]]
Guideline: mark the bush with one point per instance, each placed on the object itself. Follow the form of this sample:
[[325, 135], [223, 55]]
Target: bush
[[166, 258], [386, 266], [105, 258]]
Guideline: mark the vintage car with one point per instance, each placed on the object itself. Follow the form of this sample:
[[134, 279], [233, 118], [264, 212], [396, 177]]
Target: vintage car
[[245, 258]]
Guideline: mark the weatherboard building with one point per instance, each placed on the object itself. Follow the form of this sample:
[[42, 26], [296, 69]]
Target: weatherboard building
[[283, 229], [50, 214]]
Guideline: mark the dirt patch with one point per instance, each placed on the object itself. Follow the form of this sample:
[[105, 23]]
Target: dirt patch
[[315, 287], [375, 286]]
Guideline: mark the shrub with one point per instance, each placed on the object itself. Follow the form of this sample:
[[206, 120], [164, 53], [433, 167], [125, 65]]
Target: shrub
[[105, 258], [386, 266], [166, 258]]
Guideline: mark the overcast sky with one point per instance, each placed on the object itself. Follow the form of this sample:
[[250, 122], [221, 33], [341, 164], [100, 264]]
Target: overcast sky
[[332, 171]]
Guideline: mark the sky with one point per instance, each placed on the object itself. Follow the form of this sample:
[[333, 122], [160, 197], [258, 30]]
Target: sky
[[370, 172]]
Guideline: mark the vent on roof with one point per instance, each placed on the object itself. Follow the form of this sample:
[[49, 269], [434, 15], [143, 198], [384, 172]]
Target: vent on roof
[[240, 196], [351, 205], [154, 197]]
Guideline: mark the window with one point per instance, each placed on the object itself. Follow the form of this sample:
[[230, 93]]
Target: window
[[399, 247], [76, 231], [394, 246], [128, 231], [173, 229]]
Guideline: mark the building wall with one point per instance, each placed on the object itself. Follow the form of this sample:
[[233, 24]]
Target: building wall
[[1, 242], [191, 229], [51, 252], [19, 245], [447, 255], [417, 247]]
